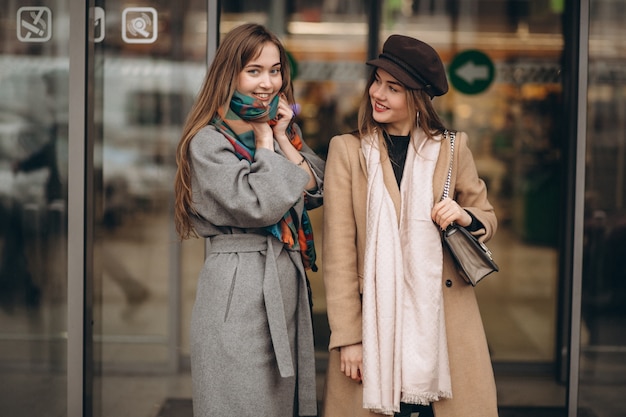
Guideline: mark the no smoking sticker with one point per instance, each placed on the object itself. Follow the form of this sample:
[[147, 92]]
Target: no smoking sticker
[[34, 24]]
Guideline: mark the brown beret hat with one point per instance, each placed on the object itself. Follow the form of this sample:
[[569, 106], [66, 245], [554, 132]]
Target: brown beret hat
[[414, 63]]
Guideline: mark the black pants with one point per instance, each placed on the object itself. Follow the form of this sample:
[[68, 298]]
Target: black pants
[[407, 409]]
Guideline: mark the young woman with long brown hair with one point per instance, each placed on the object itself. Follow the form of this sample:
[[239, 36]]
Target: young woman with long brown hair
[[406, 332], [245, 181]]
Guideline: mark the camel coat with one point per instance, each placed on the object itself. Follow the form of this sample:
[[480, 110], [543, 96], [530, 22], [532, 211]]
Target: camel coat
[[345, 191]]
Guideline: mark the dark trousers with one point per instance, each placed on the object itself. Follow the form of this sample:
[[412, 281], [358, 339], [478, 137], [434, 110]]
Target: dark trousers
[[407, 409]]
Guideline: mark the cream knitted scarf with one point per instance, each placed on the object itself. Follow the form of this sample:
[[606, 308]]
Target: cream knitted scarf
[[405, 355]]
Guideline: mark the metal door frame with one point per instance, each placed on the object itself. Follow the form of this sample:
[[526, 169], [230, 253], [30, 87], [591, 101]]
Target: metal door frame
[[80, 228], [575, 87]]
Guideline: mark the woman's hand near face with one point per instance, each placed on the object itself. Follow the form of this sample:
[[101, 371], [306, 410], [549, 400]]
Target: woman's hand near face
[[283, 118], [263, 135], [352, 361], [447, 211]]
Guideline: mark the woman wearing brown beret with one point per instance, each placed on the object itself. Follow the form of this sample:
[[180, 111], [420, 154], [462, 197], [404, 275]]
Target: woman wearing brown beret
[[406, 332]]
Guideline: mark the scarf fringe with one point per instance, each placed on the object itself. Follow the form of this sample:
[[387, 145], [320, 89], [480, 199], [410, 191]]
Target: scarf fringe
[[382, 410], [408, 398], [424, 398]]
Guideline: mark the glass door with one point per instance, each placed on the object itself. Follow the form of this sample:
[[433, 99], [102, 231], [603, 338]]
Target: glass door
[[149, 61], [34, 91], [602, 332], [504, 61]]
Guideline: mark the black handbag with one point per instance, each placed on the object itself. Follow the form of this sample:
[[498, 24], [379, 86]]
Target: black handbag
[[472, 257]]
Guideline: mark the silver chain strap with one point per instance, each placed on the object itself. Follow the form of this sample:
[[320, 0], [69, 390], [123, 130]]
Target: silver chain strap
[[446, 187]]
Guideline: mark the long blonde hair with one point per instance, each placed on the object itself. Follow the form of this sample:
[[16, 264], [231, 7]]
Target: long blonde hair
[[241, 45], [419, 104]]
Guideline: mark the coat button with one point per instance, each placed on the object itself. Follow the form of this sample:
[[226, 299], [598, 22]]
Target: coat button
[[448, 283]]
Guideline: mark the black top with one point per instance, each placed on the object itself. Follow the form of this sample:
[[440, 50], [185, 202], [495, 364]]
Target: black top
[[397, 147]]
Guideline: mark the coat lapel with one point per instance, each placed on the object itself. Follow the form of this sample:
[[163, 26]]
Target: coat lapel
[[390, 182], [389, 177]]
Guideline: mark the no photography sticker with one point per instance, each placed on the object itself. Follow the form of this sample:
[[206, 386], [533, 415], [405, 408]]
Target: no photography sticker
[[140, 25]]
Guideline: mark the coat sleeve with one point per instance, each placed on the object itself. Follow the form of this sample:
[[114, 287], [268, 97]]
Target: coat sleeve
[[470, 190], [231, 192], [313, 198], [339, 247]]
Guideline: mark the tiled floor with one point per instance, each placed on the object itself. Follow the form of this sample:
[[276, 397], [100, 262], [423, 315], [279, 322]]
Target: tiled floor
[[129, 394]]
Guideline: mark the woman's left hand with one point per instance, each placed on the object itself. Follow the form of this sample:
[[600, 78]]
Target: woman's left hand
[[283, 118], [447, 211]]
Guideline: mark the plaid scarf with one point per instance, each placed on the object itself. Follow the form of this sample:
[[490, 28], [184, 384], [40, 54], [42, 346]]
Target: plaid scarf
[[234, 125]]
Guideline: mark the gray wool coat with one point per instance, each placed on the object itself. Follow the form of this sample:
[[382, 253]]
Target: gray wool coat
[[251, 335]]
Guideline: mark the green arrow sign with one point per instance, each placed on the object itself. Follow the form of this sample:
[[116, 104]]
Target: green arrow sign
[[471, 72]]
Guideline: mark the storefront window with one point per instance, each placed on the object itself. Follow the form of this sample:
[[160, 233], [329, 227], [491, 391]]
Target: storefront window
[[504, 62], [34, 106], [603, 340]]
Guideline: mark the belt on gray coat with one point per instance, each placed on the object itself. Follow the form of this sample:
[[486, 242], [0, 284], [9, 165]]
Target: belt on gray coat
[[275, 311]]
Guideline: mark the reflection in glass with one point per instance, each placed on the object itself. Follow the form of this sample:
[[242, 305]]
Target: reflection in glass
[[33, 220], [603, 340], [143, 92]]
